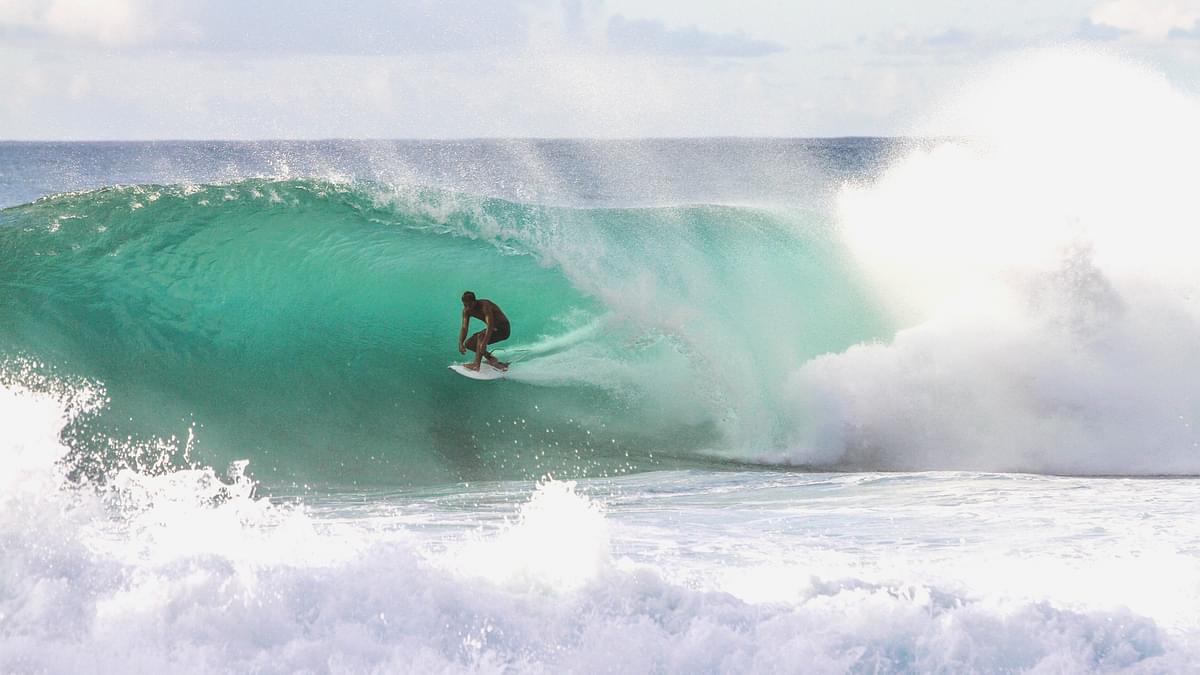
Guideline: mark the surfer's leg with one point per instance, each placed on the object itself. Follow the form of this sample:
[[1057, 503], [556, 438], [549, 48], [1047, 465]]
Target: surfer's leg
[[475, 344], [495, 362], [501, 333]]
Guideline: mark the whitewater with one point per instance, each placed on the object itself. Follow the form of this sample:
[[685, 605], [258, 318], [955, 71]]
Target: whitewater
[[827, 405]]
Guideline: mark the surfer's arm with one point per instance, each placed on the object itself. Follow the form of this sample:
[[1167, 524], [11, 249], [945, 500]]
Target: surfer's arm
[[462, 332]]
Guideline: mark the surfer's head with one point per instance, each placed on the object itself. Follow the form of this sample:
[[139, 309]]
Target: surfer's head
[[468, 298]]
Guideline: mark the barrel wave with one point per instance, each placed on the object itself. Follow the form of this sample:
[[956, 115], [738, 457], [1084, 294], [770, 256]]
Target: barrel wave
[[307, 325]]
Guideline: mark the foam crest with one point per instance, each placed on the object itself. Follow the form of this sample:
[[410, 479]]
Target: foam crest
[[34, 410], [1043, 268], [559, 539]]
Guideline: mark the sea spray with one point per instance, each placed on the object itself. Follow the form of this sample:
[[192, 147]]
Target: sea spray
[[559, 540], [1044, 269]]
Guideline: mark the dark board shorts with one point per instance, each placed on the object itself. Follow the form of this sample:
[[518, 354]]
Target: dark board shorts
[[500, 333]]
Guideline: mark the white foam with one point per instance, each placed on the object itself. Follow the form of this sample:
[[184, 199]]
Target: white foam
[[183, 572], [559, 540], [1045, 269]]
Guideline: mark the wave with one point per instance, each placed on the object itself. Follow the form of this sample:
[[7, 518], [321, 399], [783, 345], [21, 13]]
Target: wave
[[1024, 300], [307, 325]]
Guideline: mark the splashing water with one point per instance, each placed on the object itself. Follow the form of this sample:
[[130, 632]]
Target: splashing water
[[1044, 269]]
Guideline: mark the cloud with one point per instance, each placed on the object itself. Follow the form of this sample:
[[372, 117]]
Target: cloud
[[1090, 30], [364, 27], [943, 45], [646, 35], [369, 27], [951, 37], [299, 26], [109, 23], [1150, 19], [188, 95], [1186, 34]]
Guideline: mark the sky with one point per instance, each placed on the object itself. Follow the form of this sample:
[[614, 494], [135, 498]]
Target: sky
[[254, 69]]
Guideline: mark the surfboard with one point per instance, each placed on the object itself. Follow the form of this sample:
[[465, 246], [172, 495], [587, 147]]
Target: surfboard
[[485, 372]]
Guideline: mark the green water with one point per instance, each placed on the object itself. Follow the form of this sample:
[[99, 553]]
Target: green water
[[307, 326]]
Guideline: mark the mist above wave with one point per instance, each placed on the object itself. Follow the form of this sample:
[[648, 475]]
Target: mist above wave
[[1043, 269]]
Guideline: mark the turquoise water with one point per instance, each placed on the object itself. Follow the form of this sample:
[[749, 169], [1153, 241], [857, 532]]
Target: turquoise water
[[306, 325]]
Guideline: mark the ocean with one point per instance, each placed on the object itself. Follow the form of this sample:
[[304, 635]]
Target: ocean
[[775, 405]]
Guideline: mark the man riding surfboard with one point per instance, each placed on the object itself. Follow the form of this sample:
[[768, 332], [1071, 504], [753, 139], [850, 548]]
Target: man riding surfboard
[[497, 329]]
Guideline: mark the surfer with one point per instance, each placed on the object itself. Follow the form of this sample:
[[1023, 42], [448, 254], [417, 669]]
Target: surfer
[[497, 329]]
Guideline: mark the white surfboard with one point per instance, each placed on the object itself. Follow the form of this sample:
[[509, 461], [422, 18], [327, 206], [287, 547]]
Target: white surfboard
[[485, 372]]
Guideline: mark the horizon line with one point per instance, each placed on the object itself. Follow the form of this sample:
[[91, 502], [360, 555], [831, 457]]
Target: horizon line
[[448, 139]]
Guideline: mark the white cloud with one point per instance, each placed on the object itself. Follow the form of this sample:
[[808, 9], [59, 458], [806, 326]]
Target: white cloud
[[1152, 19], [110, 23], [271, 27], [656, 37], [463, 68], [944, 45]]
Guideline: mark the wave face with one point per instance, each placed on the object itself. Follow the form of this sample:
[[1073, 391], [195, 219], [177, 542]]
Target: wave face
[[307, 325]]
